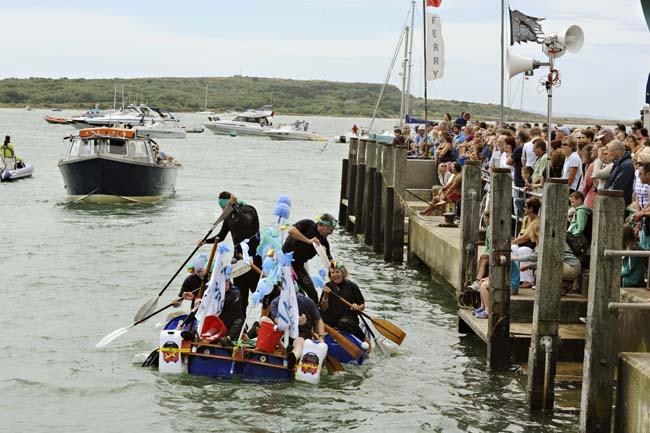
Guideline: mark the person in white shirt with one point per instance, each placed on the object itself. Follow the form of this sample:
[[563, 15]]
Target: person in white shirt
[[529, 158], [572, 168]]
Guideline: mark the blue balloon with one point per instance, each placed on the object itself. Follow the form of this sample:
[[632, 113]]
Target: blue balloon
[[285, 199], [318, 281], [267, 265], [282, 210]]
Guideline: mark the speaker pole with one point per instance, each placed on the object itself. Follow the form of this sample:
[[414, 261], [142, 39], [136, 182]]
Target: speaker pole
[[503, 30], [549, 115]]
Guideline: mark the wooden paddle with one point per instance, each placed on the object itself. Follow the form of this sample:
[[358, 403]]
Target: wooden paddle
[[151, 304], [346, 344], [385, 328]]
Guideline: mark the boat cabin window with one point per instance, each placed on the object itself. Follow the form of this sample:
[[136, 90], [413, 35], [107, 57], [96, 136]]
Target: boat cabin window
[[81, 147], [113, 146], [138, 148]]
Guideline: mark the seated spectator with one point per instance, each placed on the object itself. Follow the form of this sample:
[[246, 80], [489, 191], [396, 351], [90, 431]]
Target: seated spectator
[[445, 152], [450, 193], [634, 268]]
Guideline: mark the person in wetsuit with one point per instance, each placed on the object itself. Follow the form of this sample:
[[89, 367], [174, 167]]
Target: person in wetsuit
[[302, 237], [193, 281], [336, 313], [242, 224]]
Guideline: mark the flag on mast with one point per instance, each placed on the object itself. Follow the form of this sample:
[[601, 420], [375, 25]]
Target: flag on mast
[[524, 28], [435, 48], [434, 3]]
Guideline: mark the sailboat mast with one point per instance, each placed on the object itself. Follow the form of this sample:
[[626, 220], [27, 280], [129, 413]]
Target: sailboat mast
[[407, 104], [503, 6], [404, 72], [206, 99], [424, 34]]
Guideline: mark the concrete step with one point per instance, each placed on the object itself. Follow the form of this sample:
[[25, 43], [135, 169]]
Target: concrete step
[[572, 307]]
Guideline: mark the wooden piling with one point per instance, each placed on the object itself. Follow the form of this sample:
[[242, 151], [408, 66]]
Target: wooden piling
[[546, 310], [369, 197], [470, 214], [388, 226], [399, 191], [352, 183], [601, 346], [498, 347], [343, 205], [360, 187], [377, 234], [387, 167]]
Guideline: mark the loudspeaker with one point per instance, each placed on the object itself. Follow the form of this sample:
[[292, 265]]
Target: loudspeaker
[[518, 64], [572, 39]]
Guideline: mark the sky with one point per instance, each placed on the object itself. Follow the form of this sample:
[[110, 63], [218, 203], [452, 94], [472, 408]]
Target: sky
[[336, 40]]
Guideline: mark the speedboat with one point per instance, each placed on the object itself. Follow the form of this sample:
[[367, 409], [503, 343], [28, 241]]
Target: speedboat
[[295, 131], [161, 130], [10, 170], [251, 122], [112, 165]]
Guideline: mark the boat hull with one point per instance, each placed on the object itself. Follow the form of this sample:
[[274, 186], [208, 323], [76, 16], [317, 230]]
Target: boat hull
[[19, 173], [178, 133], [294, 135], [335, 350], [104, 179], [235, 129]]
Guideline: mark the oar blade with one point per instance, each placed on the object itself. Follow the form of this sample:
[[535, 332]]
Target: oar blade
[[239, 268], [112, 336], [389, 330], [346, 344], [146, 309], [333, 365]]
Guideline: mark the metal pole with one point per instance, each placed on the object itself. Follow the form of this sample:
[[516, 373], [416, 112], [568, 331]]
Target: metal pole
[[407, 104], [424, 34], [503, 66], [404, 72], [549, 114]]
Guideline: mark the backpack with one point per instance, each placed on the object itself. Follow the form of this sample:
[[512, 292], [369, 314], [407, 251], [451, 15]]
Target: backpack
[[589, 225]]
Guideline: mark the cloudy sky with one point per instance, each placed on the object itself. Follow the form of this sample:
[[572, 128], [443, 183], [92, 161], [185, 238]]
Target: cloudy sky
[[339, 40]]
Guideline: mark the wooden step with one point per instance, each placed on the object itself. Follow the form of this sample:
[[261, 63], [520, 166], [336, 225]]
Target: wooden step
[[572, 307]]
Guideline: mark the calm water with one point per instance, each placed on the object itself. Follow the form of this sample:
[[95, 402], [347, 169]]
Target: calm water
[[73, 273]]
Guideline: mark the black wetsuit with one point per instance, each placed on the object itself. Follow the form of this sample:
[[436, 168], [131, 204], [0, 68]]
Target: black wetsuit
[[232, 315], [303, 252], [339, 315], [243, 223], [191, 283]]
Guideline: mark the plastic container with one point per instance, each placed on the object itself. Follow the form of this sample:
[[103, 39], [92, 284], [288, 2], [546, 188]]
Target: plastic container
[[170, 359], [213, 328], [310, 365], [267, 337]]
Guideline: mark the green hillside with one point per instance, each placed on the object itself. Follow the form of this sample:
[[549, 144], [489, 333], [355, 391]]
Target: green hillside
[[237, 93]]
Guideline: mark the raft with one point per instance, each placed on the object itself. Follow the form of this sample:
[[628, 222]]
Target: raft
[[18, 173], [213, 360]]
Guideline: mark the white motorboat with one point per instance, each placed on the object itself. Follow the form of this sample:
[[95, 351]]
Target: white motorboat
[[251, 122], [161, 130], [132, 115], [296, 131]]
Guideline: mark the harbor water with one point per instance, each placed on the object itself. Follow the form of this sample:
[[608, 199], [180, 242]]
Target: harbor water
[[71, 273]]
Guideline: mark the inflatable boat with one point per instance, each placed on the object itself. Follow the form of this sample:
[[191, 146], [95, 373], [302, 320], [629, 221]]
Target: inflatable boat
[[7, 175]]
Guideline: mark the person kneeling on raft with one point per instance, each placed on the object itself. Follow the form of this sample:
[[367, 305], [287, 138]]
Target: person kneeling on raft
[[335, 312], [310, 322]]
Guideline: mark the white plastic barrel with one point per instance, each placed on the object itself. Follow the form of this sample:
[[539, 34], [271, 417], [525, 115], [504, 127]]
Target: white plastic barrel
[[310, 365], [170, 359]]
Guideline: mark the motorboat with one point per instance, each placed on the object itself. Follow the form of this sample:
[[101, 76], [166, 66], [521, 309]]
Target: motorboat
[[11, 170], [132, 115], [296, 131], [112, 165], [161, 130], [56, 120], [250, 122]]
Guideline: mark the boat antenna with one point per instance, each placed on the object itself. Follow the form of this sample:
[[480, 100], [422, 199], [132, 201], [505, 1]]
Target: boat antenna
[[424, 35]]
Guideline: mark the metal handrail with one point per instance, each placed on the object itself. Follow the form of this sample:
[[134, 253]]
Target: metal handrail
[[627, 253], [613, 306]]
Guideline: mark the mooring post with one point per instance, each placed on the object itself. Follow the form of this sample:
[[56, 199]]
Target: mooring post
[[343, 207], [545, 339], [387, 182], [399, 187], [470, 214], [601, 346], [369, 199], [352, 183], [388, 226], [377, 224], [360, 188], [498, 347]]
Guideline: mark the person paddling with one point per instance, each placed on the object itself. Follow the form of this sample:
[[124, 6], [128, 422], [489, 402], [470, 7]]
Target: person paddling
[[302, 236], [194, 280], [336, 313], [242, 223]]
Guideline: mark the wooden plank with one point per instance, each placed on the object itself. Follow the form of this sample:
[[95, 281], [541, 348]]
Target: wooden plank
[[602, 325], [498, 350], [546, 312], [470, 215]]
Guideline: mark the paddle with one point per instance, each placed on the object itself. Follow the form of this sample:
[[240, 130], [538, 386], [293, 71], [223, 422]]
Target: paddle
[[151, 304], [346, 344], [372, 334], [385, 328]]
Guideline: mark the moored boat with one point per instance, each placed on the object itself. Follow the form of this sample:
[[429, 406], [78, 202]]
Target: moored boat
[[252, 122], [296, 131], [105, 165], [11, 172], [56, 120]]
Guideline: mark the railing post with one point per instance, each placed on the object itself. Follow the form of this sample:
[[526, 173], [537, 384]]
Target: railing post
[[369, 199], [360, 187], [546, 310], [498, 347], [470, 214], [352, 183], [601, 348]]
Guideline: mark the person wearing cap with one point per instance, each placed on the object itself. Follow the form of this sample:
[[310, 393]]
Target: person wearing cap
[[335, 313], [242, 224], [193, 281], [622, 175], [605, 136], [303, 235], [562, 131]]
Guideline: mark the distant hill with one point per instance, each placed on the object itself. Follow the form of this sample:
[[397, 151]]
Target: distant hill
[[324, 98]]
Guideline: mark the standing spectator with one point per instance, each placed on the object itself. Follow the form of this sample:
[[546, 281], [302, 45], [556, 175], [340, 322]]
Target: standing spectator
[[463, 119], [572, 168], [539, 147], [605, 136], [602, 168], [622, 175], [529, 158], [588, 186], [517, 157], [459, 136]]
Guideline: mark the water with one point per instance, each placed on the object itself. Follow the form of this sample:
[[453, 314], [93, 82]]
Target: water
[[73, 273]]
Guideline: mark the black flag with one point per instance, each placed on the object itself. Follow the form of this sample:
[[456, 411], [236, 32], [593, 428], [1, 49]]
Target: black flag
[[647, 91], [524, 28]]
